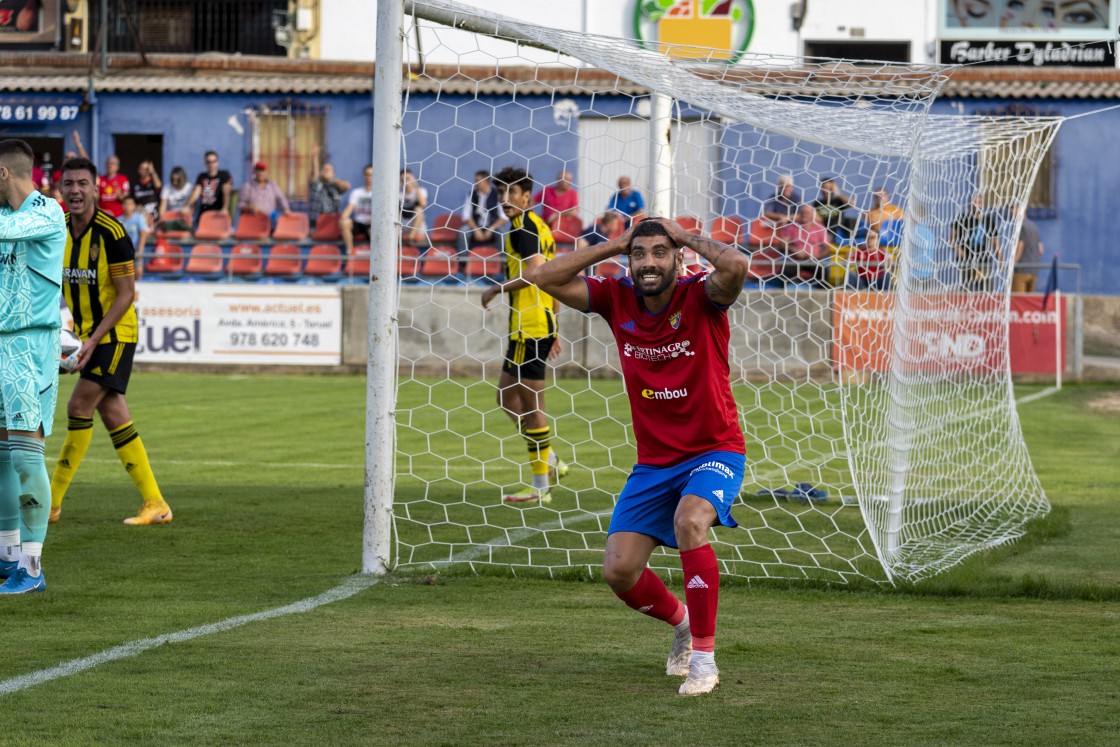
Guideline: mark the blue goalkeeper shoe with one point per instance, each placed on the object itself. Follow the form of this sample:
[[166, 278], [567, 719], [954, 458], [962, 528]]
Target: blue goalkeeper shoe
[[8, 567], [21, 582]]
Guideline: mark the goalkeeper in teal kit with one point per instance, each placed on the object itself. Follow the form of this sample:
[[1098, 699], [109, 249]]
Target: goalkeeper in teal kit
[[32, 242]]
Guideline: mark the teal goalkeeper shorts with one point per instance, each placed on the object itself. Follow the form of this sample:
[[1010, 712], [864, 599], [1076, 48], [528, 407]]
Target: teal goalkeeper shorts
[[29, 379]]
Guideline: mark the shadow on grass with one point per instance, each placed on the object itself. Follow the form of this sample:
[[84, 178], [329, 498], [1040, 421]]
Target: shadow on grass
[[975, 577]]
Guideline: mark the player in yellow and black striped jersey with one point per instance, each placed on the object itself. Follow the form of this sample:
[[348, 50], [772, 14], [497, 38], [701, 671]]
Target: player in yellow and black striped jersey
[[99, 286], [533, 330]]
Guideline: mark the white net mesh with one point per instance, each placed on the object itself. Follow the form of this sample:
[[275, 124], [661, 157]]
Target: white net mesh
[[869, 350]]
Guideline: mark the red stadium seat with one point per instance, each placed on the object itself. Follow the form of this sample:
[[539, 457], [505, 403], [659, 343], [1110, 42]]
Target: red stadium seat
[[407, 266], [324, 259], [174, 234], [252, 227], [446, 230], [205, 259], [245, 259], [485, 261], [439, 262], [291, 227], [213, 225], [691, 224], [569, 229], [327, 228], [612, 268], [166, 258], [284, 260], [727, 230], [357, 265]]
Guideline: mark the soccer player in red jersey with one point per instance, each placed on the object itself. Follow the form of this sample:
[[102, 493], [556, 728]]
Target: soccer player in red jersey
[[672, 334]]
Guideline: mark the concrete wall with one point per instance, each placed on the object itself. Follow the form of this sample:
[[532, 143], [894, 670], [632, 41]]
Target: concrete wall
[[445, 331]]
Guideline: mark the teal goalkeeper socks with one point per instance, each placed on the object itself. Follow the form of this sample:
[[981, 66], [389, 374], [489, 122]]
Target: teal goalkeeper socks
[[34, 486], [9, 492]]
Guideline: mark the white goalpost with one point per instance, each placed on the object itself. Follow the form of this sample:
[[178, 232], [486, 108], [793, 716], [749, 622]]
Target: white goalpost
[[869, 356]]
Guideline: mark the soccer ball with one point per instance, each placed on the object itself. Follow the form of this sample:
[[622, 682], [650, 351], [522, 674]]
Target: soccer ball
[[71, 344]]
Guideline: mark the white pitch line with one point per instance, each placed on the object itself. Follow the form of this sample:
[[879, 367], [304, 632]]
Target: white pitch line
[[345, 590], [1037, 395]]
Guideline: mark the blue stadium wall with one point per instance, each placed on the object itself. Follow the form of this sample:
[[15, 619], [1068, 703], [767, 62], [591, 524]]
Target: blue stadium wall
[[452, 142]]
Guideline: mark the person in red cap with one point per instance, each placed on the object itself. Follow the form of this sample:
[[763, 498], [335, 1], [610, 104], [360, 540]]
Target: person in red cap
[[262, 195]]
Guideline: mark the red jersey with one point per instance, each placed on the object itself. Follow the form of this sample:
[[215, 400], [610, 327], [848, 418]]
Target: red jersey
[[675, 365], [113, 189]]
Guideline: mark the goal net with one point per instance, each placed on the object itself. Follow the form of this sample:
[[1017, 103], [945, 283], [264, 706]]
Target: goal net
[[869, 350]]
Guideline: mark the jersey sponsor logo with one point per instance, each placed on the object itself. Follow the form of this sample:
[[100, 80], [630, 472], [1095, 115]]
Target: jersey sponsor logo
[[675, 320], [664, 393], [660, 353], [718, 467], [629, 326], [8, 260], [697, 583], [87, 276]]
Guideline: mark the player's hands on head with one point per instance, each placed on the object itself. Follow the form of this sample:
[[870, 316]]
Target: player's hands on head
[[676, 232]]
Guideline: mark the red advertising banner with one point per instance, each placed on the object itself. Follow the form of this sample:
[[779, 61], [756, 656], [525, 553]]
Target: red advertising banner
[[946, 333]]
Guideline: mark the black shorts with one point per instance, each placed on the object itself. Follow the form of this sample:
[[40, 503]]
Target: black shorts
[[110, 366], [360, 231], [525, 359]]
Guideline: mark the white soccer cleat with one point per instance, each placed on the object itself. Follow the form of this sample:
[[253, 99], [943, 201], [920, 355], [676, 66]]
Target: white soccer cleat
[[679, 655], [703, 677]]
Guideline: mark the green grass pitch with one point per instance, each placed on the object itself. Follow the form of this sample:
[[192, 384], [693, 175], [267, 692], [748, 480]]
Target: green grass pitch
[[265, 476]]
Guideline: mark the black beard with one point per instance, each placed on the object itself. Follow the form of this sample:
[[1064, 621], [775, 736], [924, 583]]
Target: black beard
[[667, 280]]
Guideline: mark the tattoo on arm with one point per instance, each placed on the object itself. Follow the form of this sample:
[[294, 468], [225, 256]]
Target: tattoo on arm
[[717, 292]]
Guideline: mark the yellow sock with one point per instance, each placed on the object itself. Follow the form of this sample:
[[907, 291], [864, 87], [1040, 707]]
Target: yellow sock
[[134, 457], [540, 445], [78, 435]]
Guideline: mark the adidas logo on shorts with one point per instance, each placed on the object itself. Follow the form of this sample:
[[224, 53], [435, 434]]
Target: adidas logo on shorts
[[697, 583]]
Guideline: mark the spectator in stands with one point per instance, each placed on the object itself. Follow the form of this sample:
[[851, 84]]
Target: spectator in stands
[[414, 199], [767, 249], [975, 240], [212, 188], [324, 194], [482, 214], [358, 213], [113, 187], [136, 225], [805, 242], [831, 205], [882, 209], [1028, 251], [557, 200], [783, 203], [146, 191], [261, 195], [927, 268], [175, 193], [870, 265], [609, 226], [627, 201]]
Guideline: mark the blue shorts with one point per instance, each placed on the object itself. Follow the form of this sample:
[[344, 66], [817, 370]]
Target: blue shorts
[[29, 379], [651, 494]]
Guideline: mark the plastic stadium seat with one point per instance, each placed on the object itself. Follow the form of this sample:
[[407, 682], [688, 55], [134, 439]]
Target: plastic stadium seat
[[439, 263], [166, 258], [174, 216], [252, 227], [485, 261], [291, 227], [284, 261], [408, 266], [205, 261], [324, 260], [569, 229], [727, 230], [327, 228], [446, 230], [213, 225], [357, 266], [691, 224], [245, 260]]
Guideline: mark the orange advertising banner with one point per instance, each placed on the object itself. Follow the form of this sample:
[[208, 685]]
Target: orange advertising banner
[[946, 333]]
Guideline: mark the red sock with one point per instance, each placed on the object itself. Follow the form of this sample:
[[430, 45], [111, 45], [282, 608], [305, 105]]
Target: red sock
[[701, 593], [650, 597]]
